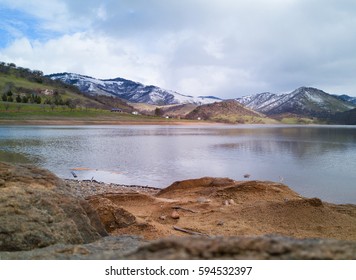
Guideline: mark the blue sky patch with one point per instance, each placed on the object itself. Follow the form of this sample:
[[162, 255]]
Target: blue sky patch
[[16, 24]]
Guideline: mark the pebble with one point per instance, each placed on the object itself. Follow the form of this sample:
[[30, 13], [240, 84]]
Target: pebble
[[85, 189], [220, 223], [175, 215], [226, 203], [203, 200], [162, 217]]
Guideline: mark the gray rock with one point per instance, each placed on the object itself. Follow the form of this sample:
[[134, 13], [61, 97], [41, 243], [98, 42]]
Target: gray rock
[[107, 248], [257, 248], [111, 215], [37, 210]]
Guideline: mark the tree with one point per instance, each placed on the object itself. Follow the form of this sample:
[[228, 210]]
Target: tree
[[18, 99], [158, 112], [8, 88], [72, 104], [4, 97], [38, 99], [24, 99]]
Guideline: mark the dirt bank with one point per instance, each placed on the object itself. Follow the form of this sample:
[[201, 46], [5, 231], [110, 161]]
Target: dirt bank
[[217, 207]]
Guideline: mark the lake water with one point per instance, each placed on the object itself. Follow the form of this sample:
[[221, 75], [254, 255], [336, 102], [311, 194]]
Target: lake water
[[315, 161]]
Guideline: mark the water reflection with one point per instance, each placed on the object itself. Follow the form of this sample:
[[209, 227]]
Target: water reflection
[[300, 142]]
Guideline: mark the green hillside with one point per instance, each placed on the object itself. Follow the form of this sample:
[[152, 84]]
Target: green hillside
[[29, 97], [27, 94]]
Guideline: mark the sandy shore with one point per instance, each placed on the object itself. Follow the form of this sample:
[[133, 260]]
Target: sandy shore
[[216, 207]]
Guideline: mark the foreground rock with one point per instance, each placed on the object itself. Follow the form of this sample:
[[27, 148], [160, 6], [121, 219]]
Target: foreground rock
[[257, 248], [106, 248], [188, 248], [37, 210]]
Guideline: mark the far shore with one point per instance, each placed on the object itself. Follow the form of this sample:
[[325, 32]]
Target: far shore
[[104, 122]]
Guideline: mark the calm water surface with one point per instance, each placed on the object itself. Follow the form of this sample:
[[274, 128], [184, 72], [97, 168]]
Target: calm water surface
[[315, 161]]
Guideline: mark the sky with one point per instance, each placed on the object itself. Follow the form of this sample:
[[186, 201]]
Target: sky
[[224, 48]]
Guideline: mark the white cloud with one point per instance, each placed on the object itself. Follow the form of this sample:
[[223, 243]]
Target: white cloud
[[90, 55]]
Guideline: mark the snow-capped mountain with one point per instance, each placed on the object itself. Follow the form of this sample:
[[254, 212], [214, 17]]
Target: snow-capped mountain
[[346, 98], [129, 90], [302, 101]]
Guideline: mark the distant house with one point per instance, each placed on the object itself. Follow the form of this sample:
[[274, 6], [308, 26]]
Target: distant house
[[116, 110], [134, 113], [47, 92]]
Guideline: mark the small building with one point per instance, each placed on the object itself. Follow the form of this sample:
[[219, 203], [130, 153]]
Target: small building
[[134, 113], [116, 110], [47, 92]]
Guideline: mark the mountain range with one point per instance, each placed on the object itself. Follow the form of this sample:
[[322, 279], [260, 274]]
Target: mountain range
[[129, 90], [304, 101]]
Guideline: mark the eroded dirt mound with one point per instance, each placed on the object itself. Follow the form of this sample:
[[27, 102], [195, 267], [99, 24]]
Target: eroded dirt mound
[[37, 210], [221, 206], [194, 187]]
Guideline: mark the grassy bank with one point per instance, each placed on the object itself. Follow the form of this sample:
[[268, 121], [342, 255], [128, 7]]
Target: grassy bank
[[18, 113]]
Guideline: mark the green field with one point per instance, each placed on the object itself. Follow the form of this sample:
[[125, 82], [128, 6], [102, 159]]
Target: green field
[[31, 113]]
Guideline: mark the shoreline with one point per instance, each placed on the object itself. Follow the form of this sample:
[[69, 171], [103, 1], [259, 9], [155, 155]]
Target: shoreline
[[87, 188], [216, 207], [91, 122], [102, 122]]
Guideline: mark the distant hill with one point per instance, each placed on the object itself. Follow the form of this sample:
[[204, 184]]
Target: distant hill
[[346, 98], [304, 101], [23, 85], [180, 111], [229, 111], [129, 90], [347, 117]]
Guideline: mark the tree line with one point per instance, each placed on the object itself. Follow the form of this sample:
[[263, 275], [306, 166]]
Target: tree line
[[35, 76]]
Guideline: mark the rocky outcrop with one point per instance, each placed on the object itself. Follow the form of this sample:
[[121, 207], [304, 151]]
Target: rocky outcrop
[[257, 248], [188, 248], [38, 210], [111, 215], [106, 248]]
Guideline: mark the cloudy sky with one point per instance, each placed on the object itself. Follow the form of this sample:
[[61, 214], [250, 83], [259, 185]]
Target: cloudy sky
[[226, 48]]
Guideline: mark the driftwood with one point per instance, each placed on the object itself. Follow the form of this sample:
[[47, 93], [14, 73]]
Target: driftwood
[[189, 231], [185, 209]]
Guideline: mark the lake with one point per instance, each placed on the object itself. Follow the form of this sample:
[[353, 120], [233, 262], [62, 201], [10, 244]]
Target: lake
[[315, 161]]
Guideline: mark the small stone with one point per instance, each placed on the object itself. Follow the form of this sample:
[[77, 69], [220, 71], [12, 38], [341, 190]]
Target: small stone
[[203, 200], [232, 202], [2, 183], [162, 217], [175, 215], [220, 223], [226, 203]]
